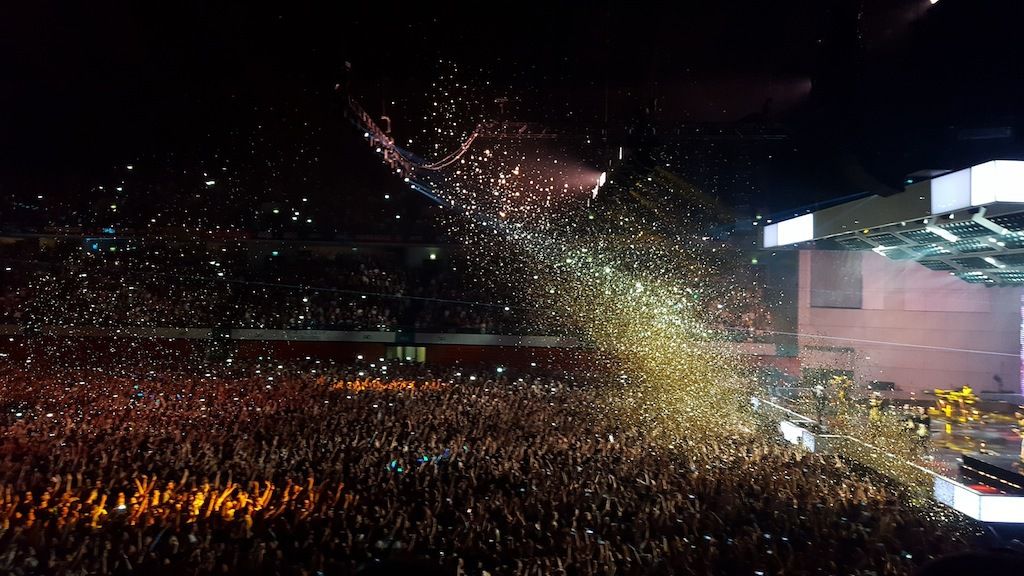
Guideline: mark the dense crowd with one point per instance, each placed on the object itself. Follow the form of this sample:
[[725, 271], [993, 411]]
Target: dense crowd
[[349, 292], [327, 469], [322, 293], [196, 286]]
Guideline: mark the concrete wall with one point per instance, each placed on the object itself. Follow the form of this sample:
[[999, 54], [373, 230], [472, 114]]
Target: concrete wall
[[919, 328]]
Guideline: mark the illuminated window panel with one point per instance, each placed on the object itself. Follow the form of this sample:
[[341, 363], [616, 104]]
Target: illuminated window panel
[[937, 265], [1011, 277], [922, 236], [933, 250], [970, 246], [1012, 222], [854, 243], [1013, 260], [975, 277], [899, 254], [965, 228], [887, 240], [1010, 242], [973, 263]]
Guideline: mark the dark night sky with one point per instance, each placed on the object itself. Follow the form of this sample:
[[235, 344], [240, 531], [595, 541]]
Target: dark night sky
[[873, 88]]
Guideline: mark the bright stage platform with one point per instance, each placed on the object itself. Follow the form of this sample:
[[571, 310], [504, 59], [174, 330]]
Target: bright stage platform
[[972, 467]]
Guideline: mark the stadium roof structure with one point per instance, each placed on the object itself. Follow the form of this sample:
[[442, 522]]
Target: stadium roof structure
[[969, 223]]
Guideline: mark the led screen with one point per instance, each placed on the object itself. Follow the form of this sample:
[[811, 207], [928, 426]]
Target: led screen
[[799, 229], [951, 192]]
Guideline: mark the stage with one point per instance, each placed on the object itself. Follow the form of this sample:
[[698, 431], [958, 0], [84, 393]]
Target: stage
[[973, 467], [984, 454]]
